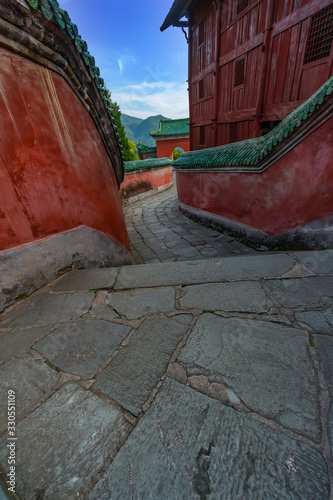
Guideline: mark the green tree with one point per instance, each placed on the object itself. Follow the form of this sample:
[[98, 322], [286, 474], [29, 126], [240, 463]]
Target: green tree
[[128, 151], [133, 150]]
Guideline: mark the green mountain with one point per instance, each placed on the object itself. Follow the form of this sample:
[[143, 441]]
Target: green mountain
[[130, 123], [138, 130]]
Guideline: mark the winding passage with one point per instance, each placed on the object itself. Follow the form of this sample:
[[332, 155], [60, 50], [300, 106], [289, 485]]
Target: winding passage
[[158, 232]]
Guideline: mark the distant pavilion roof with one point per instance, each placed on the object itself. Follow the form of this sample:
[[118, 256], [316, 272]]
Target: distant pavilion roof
[[173, 128], [177, 11], [142, 148]]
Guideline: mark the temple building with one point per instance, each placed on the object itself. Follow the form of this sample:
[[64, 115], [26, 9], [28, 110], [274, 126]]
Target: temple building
[[171, 135], [251, 63], [146, 152]]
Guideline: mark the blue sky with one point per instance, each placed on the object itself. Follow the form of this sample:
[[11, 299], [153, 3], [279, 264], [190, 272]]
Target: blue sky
[[146, 70]]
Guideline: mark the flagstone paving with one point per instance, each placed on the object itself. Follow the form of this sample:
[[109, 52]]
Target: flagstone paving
[[204, 379], [158, 232]]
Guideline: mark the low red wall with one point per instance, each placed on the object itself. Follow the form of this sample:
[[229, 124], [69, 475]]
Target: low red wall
[[143, 180], [55, 172], [166, 146], [296, 190]]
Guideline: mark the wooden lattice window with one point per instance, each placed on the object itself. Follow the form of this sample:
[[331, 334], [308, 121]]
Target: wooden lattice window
[[320, 35], [241, 5], [233, 132], [239, 72]]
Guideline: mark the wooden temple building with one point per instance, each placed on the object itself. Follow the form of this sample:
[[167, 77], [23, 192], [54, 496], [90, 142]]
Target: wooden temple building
[[251, 62]]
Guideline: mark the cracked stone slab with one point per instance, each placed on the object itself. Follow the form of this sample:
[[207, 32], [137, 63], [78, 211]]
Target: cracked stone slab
[[87, 279], [303, 292], [245, 296], [324, 346], [208, 270], [14, 341], [268, 366], [30, 379], [135, 371], [48, 310], [319, 321], [64, 443], [136, 303], [83, 347], [320, 262], [191, 446]]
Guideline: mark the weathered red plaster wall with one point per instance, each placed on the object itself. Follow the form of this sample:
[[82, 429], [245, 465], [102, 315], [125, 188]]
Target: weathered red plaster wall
[[155, 178], [55, 172], [296, 190], [166, 146]]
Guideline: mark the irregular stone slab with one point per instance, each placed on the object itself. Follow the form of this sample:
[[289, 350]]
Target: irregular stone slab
[[48, 309], [320, 321], [137, 368], [267, 365], [30, 379], [203, 271], [4, 493], [245, 296], [63, 443], [83, 347], [87, 279], [191, 446], [12, 342], [305, 292], [320, 262], [324, 346], [137, 303], [103, 311]]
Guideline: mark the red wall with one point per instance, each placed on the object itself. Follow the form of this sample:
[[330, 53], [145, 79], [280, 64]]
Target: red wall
[[154, 178], [296, 190], [55, 173], [166, 146]]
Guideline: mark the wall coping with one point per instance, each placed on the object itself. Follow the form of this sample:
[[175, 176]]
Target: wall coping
[[150, 163], [256, 155]]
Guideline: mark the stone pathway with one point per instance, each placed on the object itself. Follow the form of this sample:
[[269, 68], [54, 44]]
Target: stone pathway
[[158, 232], [204, 379]]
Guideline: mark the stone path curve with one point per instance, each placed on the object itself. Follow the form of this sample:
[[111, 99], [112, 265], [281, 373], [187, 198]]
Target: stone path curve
[[158, 232]]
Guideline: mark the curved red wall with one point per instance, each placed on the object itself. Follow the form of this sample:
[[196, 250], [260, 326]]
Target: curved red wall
[[296, 190], [166, 146], [156, 178], [55, 172]]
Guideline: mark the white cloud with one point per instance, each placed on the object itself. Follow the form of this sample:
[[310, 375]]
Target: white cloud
[[153, 98], [123, 60]]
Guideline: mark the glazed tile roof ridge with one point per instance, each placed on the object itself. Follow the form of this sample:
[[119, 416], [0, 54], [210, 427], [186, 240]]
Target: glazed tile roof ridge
[[180, 126], [253, 151], [52, 12], [174, 12], [130, 166]]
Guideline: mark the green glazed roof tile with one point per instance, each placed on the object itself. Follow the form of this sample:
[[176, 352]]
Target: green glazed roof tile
[[130, 166], [252, 151], [142, 148], [172, 127]]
